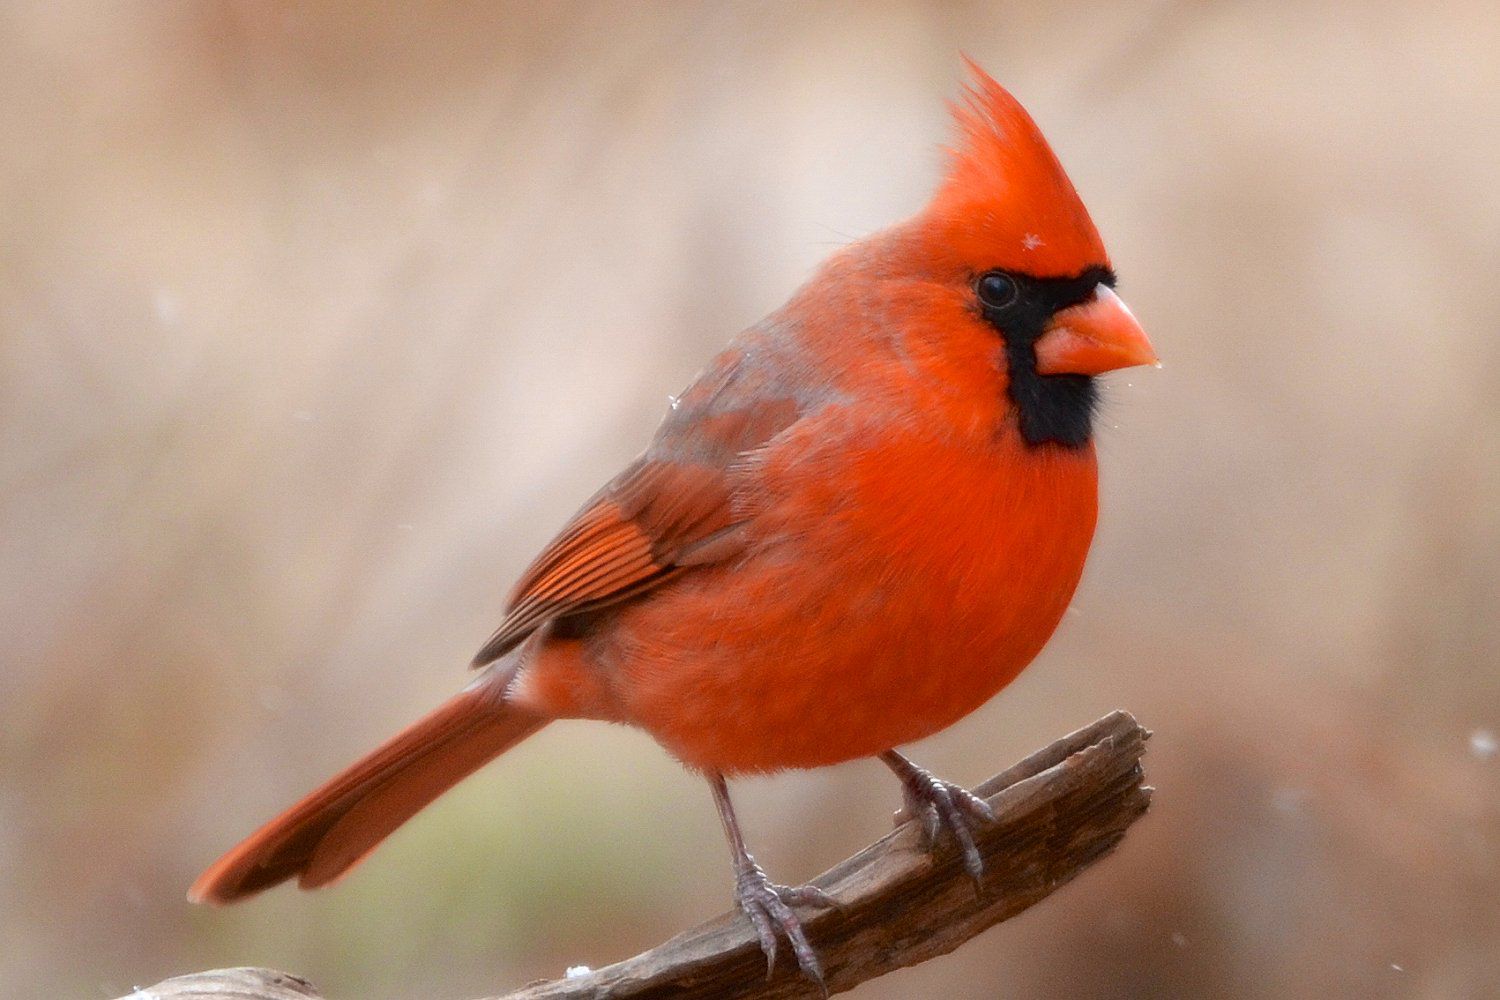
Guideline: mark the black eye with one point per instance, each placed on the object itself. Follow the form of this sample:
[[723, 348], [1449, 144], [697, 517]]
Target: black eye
[[997, 289]]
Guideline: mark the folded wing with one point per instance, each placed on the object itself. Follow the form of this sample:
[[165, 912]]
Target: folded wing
[[672, 509]]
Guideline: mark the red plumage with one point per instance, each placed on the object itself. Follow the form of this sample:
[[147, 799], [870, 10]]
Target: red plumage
[[845, 536]]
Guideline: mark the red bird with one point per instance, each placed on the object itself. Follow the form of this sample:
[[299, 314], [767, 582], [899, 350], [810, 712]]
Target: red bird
[[858, 524]]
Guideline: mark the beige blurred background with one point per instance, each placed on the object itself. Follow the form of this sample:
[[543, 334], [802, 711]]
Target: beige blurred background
[[316, 320]]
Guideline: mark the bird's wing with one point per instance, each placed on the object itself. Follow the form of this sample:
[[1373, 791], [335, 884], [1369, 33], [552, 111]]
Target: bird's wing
[[672, 509]]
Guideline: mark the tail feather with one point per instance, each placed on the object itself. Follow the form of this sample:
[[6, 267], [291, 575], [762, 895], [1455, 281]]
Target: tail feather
[[332, 829]]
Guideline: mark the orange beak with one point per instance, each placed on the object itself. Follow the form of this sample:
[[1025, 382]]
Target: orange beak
[[1093, 337]]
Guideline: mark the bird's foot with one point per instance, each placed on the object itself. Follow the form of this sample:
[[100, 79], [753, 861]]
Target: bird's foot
[[943, 805], [769, 907]]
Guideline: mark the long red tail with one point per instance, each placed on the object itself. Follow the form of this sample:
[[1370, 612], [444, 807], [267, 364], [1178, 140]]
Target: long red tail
[[332, 829]]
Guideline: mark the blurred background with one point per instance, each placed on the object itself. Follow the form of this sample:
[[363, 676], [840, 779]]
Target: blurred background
[[317, 320]]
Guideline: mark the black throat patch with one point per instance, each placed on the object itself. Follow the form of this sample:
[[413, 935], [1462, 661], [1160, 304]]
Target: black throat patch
[[1052, 409]]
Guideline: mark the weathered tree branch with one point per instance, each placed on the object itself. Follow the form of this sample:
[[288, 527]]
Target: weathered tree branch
[[1057, 812]]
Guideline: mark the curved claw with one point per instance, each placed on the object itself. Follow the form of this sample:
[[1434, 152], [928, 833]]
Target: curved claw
[[943, 805], [769, 908], [808, 895]]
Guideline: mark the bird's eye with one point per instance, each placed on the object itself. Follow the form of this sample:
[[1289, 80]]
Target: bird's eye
[[997, 289]]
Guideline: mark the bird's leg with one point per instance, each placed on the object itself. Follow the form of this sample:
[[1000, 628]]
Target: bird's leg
[[769, 906], [940, 804]]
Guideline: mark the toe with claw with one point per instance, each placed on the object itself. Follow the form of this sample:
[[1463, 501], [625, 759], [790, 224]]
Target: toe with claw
[[942, 805], [769, 907]]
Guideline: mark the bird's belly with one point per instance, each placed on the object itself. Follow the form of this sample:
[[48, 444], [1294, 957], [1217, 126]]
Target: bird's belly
[[885, 616]]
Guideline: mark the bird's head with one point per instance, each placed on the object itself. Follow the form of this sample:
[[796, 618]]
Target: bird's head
[[1007, 231]]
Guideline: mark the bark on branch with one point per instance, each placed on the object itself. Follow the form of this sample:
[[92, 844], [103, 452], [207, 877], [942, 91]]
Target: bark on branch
[[1057, 812]]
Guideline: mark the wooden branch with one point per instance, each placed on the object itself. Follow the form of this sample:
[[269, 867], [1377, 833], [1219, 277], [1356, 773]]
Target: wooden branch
[[1057, 812], [229, 984]]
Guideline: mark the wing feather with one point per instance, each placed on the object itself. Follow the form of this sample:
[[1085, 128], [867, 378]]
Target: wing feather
[[670, 510]]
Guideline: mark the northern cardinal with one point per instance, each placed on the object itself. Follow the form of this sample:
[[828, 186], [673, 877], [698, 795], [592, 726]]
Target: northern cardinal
[[859, 523]]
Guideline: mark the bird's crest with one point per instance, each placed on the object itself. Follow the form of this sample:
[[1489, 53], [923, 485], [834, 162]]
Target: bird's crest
[[1006, 201]]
